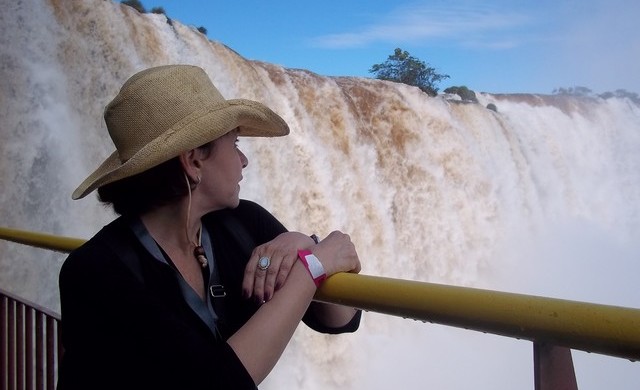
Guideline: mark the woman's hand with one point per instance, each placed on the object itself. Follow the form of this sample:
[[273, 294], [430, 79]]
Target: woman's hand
[[337, 253], [282, 253]]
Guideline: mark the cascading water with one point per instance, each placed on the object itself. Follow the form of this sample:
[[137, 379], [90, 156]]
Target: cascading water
[[542, 196]]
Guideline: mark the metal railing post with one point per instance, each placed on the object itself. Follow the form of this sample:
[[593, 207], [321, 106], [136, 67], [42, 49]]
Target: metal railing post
[[30, 348], [553, 368]]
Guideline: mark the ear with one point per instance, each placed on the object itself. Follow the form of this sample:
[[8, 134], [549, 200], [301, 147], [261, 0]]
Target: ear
[[191, 164]]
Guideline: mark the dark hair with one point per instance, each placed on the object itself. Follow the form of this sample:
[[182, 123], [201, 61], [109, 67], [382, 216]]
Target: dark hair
[[155, 187]]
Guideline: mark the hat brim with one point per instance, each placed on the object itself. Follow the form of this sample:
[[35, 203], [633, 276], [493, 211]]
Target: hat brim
[[252, 118]]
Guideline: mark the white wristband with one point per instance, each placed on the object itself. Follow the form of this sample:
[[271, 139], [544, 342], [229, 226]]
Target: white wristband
[[313, 265]]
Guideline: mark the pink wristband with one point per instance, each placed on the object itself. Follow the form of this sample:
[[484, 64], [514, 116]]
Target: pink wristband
[[313, 265]]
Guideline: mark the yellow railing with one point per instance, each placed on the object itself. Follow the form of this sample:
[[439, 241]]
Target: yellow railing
[[41, 240], [603, 329]]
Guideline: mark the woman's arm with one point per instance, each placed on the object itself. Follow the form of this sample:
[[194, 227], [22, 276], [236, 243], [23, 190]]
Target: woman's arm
[[261, 341], [332, 316], [282, 252]]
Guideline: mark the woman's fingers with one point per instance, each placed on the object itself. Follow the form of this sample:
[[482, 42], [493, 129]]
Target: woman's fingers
[[248, 279], [255, 275], [274, 277], [251, 273], [262, 280], [265, 274], [283, 271]]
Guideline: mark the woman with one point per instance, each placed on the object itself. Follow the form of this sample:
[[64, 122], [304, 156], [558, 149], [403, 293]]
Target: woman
[[191, 287]]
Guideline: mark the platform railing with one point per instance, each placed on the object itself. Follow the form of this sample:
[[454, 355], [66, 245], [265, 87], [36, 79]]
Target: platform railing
[[555, 326], [30, 347], [602, 329]]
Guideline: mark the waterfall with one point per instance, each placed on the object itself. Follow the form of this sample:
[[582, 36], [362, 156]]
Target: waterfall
[[541, 196]]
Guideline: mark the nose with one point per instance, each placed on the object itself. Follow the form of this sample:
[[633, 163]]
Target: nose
[[244, 159]]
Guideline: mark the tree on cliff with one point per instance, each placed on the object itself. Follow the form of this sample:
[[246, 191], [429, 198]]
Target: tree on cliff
[[573, 91], [401, 67], [135, 4], [465, 93], [138, 6]]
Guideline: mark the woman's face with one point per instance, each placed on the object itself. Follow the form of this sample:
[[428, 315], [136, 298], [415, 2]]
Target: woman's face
[[222, 173]]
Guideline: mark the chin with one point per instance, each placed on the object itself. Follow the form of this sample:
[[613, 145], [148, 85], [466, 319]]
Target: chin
[[234, 203]]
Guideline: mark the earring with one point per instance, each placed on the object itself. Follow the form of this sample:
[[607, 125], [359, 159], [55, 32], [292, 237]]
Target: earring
[[198, 251], [193, 183]]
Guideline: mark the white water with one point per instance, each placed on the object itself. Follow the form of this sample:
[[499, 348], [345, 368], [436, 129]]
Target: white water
[[542, 197]]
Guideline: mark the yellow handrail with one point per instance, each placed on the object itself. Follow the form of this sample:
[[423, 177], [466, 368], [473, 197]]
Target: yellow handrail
[[603, 329], [41, 240]]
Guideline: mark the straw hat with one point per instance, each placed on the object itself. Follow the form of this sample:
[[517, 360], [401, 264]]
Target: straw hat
[[167, 110]]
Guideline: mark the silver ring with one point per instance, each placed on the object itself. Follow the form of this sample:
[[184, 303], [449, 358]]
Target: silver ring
[[264, 263]]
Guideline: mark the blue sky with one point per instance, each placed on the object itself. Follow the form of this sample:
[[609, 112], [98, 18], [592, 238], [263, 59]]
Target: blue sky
[[497, 46]]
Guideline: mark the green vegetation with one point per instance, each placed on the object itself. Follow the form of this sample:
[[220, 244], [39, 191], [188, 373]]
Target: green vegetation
[[401, 67], [621, 93], [573, 91], [137, 5], [468, 96], [465, 93], [158, 10], [586, 92]]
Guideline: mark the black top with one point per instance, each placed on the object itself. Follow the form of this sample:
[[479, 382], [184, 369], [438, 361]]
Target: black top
[[124, 329]]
